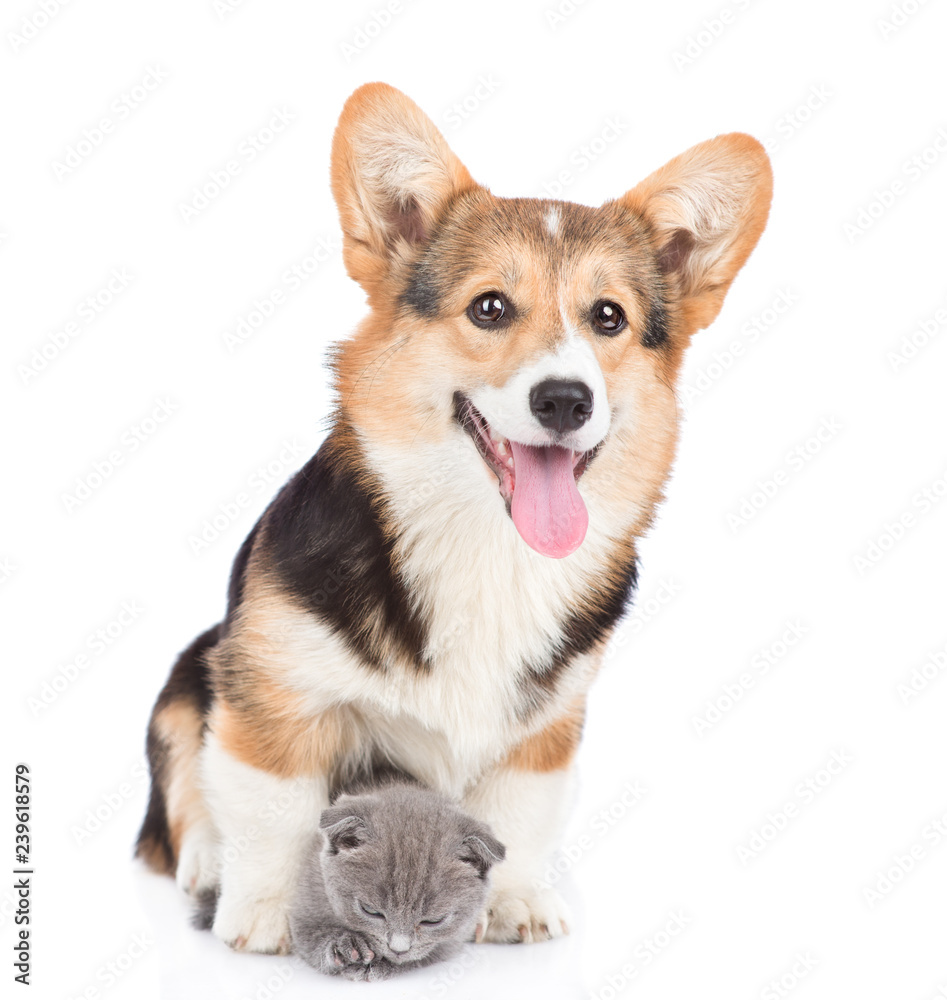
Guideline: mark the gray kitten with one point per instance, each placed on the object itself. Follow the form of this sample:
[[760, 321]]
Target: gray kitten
[[395, 880]]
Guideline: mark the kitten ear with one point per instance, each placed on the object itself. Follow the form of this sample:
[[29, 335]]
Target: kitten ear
[[342, 829], [482, 850], [708, 207], [392, 174]]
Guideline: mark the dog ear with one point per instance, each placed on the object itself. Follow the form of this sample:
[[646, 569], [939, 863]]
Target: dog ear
[[392, 175], [708, 207]]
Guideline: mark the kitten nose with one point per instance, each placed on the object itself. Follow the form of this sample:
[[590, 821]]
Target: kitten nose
[[399, 943]]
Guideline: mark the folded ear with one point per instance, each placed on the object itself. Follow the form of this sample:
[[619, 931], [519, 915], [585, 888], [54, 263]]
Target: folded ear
[[392, 175], [481, 849], [708, 207], [342, 828]]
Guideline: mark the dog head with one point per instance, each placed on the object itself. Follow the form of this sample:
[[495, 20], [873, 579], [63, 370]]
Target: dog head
[[546, 335]]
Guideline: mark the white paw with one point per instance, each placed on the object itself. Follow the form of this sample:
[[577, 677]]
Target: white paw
[[260, 925], [197, 862], [523, 915]]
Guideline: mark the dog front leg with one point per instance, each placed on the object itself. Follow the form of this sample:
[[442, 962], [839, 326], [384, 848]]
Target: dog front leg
[[266, 818], [525, 799]]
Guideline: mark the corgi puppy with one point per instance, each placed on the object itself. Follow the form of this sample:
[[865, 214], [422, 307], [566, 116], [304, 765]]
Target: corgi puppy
[[433, 591]]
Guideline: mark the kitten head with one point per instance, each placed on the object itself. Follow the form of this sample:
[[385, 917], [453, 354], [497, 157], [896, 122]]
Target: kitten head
[[407, 868]]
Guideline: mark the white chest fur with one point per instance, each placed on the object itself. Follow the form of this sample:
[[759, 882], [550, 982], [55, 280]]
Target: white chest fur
[[493, 611]]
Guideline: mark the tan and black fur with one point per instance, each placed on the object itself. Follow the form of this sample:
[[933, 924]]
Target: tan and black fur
[[384, 610]]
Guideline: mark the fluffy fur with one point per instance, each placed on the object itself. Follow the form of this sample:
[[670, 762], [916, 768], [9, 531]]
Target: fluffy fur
[[396, 879], [386, 609]]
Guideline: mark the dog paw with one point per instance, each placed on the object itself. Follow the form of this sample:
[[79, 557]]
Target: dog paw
[[259, 925], [197, 864], [523, 916]]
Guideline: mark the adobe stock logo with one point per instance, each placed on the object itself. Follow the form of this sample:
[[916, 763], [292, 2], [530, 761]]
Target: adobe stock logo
[[805, 793], [803, 964], [120, 110], [582, 157], [896, 529], [599, 826], [748, 334], [558, 15], [266, 305], [796, 460], [733, 692], [922, 676], [217, 180], [86, 313], [885, 198], [898, 17], [651, 948], [367, 32], [97, 643], [129, 442], [905, 862], [710, 30], [911, 344], [465, 108], [32, 24]]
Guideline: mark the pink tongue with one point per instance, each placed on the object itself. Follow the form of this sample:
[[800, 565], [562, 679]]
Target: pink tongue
[[547, 509]]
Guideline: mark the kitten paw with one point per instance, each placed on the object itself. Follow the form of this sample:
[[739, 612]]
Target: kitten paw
[[348, 954], [374, 972], [260, 925], [523, 916], [345, 948]]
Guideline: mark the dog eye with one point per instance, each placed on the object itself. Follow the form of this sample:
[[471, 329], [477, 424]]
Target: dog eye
[[608, 318], [488, 309]]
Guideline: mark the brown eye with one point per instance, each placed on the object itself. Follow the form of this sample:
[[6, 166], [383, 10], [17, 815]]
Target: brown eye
[[608, 318], [488, 309]]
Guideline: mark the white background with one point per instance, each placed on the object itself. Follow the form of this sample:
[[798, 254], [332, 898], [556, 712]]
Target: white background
[[847, 102]]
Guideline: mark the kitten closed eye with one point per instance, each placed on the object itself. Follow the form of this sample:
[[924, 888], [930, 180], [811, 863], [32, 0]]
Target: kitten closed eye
[[396, 879]]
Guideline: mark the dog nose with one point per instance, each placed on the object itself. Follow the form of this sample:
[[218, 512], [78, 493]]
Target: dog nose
[[561, 405]]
